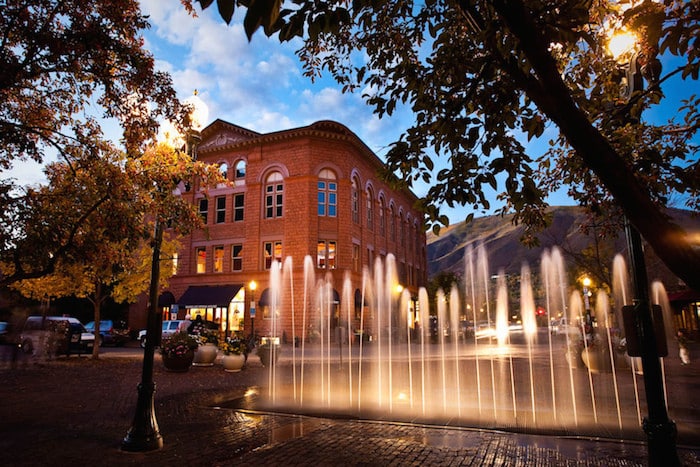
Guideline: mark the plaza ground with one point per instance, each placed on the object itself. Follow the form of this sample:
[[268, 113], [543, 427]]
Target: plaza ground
[[77, 411]]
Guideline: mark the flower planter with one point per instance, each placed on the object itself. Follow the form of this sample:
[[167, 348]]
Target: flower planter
[[597, 360], [205, 355], [268, 354], [178, 363], [233, 362]]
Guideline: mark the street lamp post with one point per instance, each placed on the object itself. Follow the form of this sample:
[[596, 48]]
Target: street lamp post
[[640, 325], [587, 300], [144, 434], [252, 286]]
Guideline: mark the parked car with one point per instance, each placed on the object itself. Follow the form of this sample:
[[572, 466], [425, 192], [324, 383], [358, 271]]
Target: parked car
[[169, 328], [55, 335], [111, 332], [561, 327]]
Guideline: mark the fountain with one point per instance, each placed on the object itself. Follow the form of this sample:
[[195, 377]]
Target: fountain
[[507, 375]]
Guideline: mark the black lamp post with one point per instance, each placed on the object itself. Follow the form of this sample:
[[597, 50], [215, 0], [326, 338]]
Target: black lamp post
[[643, 324], [253, 285], [144, 434]]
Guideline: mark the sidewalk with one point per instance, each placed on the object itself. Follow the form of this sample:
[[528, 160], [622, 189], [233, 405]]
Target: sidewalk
[[76, 411]]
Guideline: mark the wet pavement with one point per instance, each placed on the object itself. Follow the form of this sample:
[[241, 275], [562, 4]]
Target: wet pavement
[[77, 411]]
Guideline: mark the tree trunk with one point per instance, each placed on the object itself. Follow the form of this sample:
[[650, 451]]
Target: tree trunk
[[670, 242]]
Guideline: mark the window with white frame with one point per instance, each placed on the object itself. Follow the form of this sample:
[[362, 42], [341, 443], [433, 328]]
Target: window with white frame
[[203, 209], [327, 193], [274, 195], [370, 208], [218, 259], [238, 207], [326, 254], [382, 217], [201, 257], [237, 257], [220, 209], [355, 200], [272, 251], [240, 169]]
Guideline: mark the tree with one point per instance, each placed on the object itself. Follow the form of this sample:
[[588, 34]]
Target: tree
[[481, 76], [100, 213], [60, 59]]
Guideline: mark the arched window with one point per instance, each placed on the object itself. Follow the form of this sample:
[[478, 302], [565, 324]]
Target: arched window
[[382, 216], [223, 168], [355, 199], [392, 223], [274, 195], [327, 193], [240, 169], [369, 208]]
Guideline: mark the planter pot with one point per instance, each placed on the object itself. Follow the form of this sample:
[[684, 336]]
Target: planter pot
[[205, 355], [233, 363], [178, 364], [597, 361], [268, 355]]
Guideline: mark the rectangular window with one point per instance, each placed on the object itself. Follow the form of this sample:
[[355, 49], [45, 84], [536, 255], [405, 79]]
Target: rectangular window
[[174, 263], [237, 257], [238, 203], [327, 198], [220, 209], [273, 200], [356, 258], [272, 251], [201, 254], [326, 255], [203, 209], [321, 198], [218, 259]]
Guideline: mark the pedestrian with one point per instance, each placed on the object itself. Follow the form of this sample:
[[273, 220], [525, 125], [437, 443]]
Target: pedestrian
[[185, 325], [683, 348]]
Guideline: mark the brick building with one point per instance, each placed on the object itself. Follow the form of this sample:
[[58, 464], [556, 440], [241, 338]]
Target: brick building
[[310, 191]]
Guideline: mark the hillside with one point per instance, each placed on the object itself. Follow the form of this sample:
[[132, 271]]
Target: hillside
[[502, 240]]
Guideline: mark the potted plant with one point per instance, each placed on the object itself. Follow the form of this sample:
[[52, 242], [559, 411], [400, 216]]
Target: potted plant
[[178, 351], [208, 349], [234, 354], [269, 350]]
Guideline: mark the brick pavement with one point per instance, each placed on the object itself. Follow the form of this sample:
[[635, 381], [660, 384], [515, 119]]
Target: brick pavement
[[76, 411]]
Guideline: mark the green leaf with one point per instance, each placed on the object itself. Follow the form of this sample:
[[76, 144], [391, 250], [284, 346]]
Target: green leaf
[[226, 8]]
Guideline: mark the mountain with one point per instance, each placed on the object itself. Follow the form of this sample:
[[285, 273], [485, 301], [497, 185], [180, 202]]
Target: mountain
[[505, 250]]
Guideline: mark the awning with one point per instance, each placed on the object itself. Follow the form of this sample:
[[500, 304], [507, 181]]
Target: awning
[[166, 299], [206, 296]]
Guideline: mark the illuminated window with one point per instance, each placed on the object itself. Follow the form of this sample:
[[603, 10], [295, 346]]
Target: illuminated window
[[326, 254], [201, 254], [272, 252], [218, 259]]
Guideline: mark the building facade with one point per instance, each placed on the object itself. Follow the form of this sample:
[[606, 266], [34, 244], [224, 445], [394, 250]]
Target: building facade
[[313, 192]]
